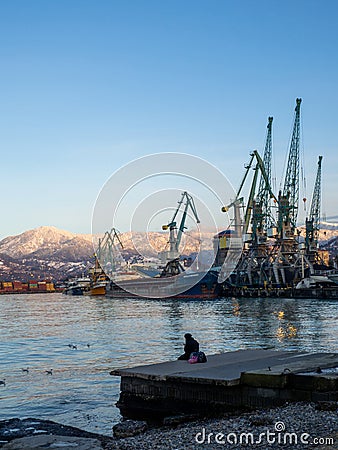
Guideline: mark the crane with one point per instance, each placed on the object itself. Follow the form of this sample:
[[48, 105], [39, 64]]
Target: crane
[[288, 199], [312, 222], [288, 261], [171, 257], [107, 251], [252, 257], [250, 204], [262, 219]]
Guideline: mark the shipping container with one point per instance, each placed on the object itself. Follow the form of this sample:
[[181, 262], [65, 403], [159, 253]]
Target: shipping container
[[17, 285], [42, 286]]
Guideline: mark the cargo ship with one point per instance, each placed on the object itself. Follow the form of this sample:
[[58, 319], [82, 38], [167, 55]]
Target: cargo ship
[[186, 285]]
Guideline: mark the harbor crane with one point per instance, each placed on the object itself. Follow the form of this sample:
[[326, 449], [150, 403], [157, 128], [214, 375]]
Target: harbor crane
[[106, 251], [171, 256], [255, 250], [288, 259], [288, 198], [259, 168], [262, 218], [312, 222]]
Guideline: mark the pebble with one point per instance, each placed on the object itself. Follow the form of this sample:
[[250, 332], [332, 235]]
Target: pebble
[[297, 418]]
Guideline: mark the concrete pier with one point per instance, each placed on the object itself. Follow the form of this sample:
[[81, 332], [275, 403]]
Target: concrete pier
[[233, 380]]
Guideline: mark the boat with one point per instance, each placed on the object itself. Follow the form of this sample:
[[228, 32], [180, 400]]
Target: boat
[[171, 280], [314, 281], [77, 286], [184, 285], [98, 287], [98, 279]]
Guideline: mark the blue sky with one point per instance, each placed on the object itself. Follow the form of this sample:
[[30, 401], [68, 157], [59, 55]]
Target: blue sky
[[87, 86]]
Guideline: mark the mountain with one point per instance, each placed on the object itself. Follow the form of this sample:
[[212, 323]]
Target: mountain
[[40, 239], [45, 252], [49, 253]]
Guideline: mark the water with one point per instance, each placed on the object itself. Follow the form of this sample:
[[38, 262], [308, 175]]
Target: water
[[36, 331]]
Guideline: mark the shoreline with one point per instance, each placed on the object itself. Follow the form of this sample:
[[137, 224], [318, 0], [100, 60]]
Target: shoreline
[[308, 425]]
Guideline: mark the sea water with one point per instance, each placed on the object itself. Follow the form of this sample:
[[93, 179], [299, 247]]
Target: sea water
[[83, 338]]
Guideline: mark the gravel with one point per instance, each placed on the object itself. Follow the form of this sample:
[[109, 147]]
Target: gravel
[[311, 427]]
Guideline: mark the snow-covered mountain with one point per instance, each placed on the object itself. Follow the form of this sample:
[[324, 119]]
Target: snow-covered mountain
[[47, 252], [43, 239]]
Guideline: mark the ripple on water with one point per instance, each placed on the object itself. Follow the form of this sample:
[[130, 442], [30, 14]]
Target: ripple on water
[[39, 331]]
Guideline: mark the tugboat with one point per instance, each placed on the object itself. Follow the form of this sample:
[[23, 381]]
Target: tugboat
[[77, 286]]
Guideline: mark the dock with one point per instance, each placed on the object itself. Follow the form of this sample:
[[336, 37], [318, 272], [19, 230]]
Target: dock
[[243, 379]]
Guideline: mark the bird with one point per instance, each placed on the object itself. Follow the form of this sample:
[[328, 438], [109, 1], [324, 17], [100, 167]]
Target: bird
[[269, 369], [88, 345], [74, 347], [319, 370], [25, 370], [49, 372], [286, 370], [2, 382]]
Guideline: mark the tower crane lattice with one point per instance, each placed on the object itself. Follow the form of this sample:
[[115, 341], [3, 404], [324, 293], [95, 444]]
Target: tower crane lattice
[[313, 221]]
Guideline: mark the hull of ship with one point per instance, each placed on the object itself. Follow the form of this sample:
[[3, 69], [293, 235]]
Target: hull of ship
[[98, 290], [206, 288], [73, 291]]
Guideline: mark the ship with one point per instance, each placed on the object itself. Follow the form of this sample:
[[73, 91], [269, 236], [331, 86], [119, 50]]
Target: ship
[[169, 280], [77, 286], [98, 279], [186, 285]]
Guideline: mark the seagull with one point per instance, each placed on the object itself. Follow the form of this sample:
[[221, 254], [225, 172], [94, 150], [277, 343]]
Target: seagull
[[49, 372], [25, 370], [2, 383]]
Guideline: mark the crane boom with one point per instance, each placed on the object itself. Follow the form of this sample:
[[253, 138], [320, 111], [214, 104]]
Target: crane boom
[[291, 182], [175, 240], [316, 196], [312, 222], [259, 166], [263, 197]]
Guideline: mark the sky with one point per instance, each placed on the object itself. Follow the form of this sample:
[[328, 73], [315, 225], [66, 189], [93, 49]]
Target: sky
[[88, 86]]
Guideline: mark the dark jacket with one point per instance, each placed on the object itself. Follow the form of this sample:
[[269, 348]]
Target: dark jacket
[[191, 345]]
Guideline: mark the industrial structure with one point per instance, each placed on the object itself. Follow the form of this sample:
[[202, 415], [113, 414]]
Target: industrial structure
[[264, 250], [275, 255]]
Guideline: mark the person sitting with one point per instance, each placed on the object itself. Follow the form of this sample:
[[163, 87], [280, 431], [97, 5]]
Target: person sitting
[[191, 346]]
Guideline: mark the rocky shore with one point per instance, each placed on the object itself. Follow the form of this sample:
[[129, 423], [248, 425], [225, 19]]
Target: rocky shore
[[299, 425], [293, 426]]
